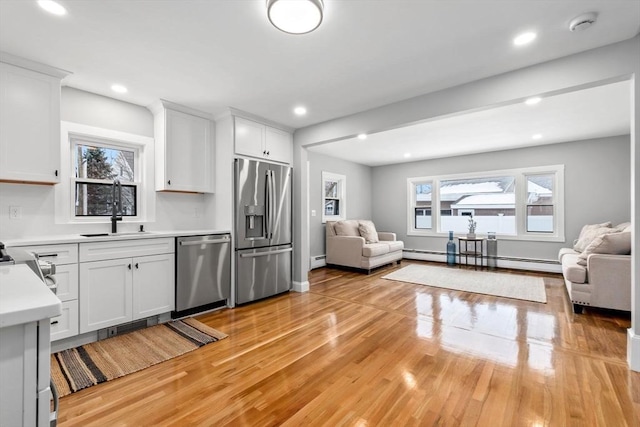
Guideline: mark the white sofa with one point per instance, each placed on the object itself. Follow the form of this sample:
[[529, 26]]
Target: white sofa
[[605, 280], [347, 247]]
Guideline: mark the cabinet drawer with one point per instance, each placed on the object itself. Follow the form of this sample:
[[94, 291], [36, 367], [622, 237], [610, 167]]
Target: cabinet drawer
[[98, 251], [65, 325], [67, 280], [58, 254]]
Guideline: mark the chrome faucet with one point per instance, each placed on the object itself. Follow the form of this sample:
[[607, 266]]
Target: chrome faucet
[[116, 205]]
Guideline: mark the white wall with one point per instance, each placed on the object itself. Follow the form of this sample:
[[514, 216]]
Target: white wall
[[597, 185], [174, 211], [358, 195]]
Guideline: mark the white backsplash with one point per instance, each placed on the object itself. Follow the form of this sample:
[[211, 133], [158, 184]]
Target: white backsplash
[[174, 211]]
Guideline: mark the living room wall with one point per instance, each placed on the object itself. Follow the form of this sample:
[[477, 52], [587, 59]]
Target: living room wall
[[597, 187], [358, 198]]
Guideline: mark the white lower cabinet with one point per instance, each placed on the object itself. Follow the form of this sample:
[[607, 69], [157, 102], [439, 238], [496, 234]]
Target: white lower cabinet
[[106, 288], [120, 290], [65, 325], [153, 285]]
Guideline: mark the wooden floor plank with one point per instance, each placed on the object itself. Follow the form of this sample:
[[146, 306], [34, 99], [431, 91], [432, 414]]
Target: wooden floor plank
[[359, 350]]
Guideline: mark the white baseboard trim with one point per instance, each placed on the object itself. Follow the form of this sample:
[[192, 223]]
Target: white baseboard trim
[[301, 286], [317, 261], [532, 265], [633, 350]]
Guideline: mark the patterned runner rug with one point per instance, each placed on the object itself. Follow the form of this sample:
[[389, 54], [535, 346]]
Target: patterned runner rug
[[97, 362], [481, 282]]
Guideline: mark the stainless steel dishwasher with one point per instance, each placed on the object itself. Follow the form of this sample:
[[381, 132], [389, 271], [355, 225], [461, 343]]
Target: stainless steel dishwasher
[[203, 273]]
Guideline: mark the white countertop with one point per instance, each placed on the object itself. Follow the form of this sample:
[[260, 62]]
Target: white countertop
[[77, 238], [24, 298]]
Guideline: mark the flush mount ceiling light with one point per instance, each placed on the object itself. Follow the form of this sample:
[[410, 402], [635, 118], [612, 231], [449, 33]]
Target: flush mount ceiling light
[[536, 136], [300, 111], [52, 7], [362, 136], [295, 16], [524, 38]]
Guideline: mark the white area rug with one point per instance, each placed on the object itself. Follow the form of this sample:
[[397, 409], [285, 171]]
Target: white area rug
[[481, 282]]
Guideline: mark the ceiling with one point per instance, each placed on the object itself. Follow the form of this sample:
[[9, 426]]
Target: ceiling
[[596, 112], [214, 54]]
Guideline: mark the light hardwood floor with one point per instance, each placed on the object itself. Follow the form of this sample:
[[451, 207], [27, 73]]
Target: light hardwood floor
[[359, 350]]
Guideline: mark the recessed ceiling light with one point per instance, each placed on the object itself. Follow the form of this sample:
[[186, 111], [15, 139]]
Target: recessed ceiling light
[[300, 111], [533, 101], [536, 136], [407, 155], [524, 38], [362, 136], [52, 7], [119, 88]]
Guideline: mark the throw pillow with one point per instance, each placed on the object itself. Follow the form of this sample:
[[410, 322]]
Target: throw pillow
[[612, 243], [368, 231], [625, 226], [590, 232], [346, 228]]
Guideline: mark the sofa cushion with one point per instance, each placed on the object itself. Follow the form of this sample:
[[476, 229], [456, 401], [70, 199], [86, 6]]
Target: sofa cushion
[[572, 271], [625, 226], [375, 249], [346, 228], [565, 251], [395, 245], [613, 243], [368, 231], [588, 234]]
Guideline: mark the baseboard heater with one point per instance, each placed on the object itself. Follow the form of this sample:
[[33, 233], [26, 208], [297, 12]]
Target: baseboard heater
[[533, 264]]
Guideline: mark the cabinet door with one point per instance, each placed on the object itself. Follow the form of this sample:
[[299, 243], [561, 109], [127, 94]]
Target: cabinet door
[[153, 285], [30, 126], [65, 325], [67, 282], [249, 137], [105, 293], [278, 145], [188, 157]]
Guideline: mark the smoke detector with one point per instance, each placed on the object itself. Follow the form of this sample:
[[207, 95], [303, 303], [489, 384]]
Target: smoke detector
[[583, 22]]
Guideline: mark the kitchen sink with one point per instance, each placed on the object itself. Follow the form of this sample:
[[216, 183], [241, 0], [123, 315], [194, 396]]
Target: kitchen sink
[[132, 233]]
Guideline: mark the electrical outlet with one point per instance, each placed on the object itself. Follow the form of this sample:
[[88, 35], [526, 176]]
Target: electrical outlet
[[15, 212]]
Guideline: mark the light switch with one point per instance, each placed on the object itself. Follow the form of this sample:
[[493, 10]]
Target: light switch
[[313, 212]]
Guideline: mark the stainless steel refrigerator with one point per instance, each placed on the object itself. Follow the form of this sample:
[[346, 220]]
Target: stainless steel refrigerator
[[263, 226]]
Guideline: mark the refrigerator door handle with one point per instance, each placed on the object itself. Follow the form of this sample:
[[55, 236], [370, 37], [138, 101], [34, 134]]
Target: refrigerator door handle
[[259, 254], [267, 201], [272, 214]]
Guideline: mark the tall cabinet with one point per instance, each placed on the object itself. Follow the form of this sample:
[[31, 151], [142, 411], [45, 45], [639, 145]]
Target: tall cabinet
[[184, 148], [30, 125]]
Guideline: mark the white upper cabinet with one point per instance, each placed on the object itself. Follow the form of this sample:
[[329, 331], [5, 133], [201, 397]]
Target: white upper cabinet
[[30, 124], [258, 140], [184, 149]]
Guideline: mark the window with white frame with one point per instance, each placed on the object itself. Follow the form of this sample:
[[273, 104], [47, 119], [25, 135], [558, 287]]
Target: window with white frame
[[97, 165], [514, 204], [333, 197], [92, 159]]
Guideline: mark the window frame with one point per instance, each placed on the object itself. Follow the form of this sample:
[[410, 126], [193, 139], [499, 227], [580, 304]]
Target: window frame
[[144, 172], [341, 196], [521, 193], [74, 141]]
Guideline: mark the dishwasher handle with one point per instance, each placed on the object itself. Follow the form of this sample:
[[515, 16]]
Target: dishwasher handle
[[205, 242]]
